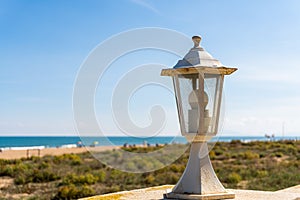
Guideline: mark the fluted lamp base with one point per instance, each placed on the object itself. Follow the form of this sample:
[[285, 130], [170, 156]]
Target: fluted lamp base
[[199, 180]]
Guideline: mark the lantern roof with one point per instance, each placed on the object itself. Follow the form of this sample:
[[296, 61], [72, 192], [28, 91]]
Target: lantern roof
[[198, 57], [196, 60]]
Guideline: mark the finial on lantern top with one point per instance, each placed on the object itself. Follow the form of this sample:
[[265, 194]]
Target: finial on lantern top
[[196, 39]]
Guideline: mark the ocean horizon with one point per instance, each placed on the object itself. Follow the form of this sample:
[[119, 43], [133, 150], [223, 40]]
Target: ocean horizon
[[19, 142]]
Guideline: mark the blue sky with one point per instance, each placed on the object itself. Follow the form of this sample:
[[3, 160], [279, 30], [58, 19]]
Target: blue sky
[[43, 44]]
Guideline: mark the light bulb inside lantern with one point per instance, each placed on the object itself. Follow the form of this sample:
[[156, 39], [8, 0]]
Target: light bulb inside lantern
[[193, 113], [193, 99]]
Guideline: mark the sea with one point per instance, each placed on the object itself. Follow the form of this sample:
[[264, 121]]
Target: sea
[[26, 142]]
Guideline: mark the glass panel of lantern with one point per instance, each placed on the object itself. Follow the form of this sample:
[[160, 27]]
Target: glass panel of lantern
[[213, 87], [187, 89], [187, 102]]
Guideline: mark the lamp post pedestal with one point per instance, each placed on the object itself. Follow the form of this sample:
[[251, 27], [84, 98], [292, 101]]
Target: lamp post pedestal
[[199, 180]]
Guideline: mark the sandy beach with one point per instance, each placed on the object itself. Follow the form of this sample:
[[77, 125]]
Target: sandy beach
[[16, 154]]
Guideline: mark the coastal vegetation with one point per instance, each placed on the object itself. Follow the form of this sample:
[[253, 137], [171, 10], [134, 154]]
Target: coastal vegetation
[[253, 165]]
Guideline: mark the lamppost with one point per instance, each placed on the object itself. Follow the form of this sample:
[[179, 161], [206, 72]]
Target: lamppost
[[198, 82]]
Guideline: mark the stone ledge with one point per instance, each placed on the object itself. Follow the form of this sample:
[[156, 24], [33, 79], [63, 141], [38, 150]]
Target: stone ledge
[[156, 193]]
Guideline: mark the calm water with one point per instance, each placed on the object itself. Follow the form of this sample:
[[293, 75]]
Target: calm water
[[59, 141]]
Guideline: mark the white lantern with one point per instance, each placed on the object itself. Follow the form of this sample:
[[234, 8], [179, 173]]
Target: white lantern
[[198, 82]]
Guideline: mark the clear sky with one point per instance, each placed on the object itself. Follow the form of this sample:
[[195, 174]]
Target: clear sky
[[43, 44]]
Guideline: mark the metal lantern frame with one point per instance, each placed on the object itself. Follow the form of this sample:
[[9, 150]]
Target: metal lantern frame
[[197, 76]]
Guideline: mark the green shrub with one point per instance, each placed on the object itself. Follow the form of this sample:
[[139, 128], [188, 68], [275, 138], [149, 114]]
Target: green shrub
[[87, 179], [101, 176], [35, 159], [20, 180], [44, 165], [212, 155], [278, 154], [73, 192], [150, 179], [218, 152], [115, 174], [262, 173], [227, 155], [41, 176], [6, 170], [86, 191], [291, 149], [71, 179], [234, 155], [113, 188], [233, 178], [74, 159], [172, 178], [66, 192], [22, 168], [250, 155], [175, 168], [262, 154]]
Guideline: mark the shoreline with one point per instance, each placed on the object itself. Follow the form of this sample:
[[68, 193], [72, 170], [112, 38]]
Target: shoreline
[[12, 154]]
